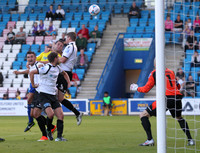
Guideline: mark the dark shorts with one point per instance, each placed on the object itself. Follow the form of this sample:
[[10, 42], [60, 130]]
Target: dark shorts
[[47, 100], [62, 83], [174, 105], [109, 105], [36, 100]]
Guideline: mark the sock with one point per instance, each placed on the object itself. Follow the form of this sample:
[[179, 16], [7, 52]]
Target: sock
[[49, 123], [69, 105], [147, 127], [59, 128], [30, 119], [52, 126], [41, 124], [184, 126]]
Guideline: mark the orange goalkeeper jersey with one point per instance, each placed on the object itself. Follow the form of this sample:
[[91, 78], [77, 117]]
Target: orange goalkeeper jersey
[[172, 87]]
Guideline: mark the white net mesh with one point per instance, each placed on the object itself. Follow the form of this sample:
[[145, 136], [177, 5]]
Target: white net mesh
[[179, 51]]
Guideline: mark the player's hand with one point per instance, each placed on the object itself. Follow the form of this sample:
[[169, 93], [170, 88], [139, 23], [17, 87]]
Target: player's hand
[[133, 87], [15, 72], [35, 85]]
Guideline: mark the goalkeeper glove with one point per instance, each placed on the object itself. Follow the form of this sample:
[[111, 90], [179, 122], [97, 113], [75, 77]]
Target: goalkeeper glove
[[133, 87]]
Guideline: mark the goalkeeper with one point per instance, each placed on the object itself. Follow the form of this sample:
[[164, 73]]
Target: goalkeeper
[[174, 105]]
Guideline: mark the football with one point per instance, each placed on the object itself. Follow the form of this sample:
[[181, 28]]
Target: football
[[94, 9]]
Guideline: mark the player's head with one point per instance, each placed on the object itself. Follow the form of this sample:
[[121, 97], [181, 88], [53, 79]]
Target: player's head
[[105, 94], [18, 93], [53, 58], [58, 47], [31, 57], [71, 36]]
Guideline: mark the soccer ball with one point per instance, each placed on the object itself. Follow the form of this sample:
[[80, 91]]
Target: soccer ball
[[94, 9]]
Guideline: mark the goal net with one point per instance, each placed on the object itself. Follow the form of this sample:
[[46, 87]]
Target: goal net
[[182, 55]]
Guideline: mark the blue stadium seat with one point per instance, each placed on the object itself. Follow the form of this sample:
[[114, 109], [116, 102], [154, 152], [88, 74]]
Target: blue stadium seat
[[75, 24], [45, 9], [65, 24], [85, 22], [41, 16], [126, 8], [25, 48], [16, 65], [23, 17], [130, 29], [86, 16], [21, 56], [73, 91], [66, 2], [15, 17], [92, 23], [118, 8], [6, 17], [78, 16], [69, 16], [33, 17]]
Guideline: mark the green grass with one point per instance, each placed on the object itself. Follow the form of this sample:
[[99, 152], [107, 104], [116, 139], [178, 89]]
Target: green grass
[[96, 134]]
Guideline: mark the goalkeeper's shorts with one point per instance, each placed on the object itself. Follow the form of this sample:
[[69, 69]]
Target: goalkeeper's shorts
[[174, 105]]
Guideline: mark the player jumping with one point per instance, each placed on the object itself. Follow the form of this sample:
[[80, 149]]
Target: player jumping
[[174, 105]]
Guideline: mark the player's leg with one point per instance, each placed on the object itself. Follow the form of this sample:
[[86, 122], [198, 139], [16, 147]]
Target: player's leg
[[29, 101], [69, 105], [144, 117], [41, 123], [60, 116], [175, 107]]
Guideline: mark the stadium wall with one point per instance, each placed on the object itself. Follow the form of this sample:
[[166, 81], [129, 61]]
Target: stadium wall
[[147, 68], [113, 80], [190, 106]]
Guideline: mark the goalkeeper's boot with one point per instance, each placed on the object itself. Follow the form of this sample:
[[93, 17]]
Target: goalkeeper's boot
[[29, 126], [60, 139], [43, 138], [148, 143], [49, 135], [191, 142], [1, 139], [79, 119]]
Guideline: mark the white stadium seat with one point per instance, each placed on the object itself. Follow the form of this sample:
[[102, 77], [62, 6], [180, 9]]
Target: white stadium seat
[[3, 90], [12, 92]]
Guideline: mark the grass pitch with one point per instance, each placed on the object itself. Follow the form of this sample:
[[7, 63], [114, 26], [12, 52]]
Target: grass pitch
[[96, 134]]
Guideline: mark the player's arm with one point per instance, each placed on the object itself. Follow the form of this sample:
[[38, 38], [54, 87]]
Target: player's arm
[[66, 54], [146, 88], [62, 59], [66, 76], [21, 72], [32, 78]]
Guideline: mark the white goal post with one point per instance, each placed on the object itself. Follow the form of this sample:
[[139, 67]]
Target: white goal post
[[160, 76]]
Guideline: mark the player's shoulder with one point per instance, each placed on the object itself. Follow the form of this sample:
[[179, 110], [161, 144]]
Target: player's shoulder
[[167, 70]]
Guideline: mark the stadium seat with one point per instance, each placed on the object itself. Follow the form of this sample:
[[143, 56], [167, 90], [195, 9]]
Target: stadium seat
[[17, 82], [21, 56], [39, 40], [11, 24], [30, 40], [12, 92], [3, 90]]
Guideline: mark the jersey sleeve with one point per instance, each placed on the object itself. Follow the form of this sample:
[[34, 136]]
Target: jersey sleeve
[[44, 69], [149, 85], [67, 51], [60, 69]]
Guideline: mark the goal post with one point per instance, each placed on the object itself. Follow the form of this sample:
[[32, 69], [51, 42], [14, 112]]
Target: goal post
[[160, 76]]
